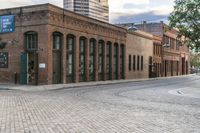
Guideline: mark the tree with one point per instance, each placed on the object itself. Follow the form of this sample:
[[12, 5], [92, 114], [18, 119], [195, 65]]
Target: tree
[[195, 60], [186, 18]]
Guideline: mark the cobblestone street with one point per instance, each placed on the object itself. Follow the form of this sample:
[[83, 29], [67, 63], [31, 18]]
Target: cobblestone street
[[135, 107]]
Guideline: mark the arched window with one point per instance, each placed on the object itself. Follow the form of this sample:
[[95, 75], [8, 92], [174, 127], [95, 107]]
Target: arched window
[[108, 60], [115, 61], [82, 48], [70, 58], [31, 40], [100, 59], [57, 54], [122, 61], [57, 41], [92, 59]]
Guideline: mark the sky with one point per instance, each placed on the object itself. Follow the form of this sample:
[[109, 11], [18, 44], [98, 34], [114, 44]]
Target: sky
[[121, 11]]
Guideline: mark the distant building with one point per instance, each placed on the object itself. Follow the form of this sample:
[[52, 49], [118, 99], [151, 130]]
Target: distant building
[[97, 9], [175, 55]]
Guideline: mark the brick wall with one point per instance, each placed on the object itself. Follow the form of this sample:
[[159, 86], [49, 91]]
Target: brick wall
[[139, 44]]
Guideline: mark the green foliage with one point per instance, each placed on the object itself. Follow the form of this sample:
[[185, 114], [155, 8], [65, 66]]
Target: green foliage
[[195, 60], [186, 18]]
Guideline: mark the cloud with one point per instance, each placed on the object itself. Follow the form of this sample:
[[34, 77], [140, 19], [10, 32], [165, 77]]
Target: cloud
[[17, 3], [117, 5], [150, 16], [134, 10], [148, 10]]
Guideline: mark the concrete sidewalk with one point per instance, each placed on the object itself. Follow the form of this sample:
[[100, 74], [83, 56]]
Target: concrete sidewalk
[[74, 85]]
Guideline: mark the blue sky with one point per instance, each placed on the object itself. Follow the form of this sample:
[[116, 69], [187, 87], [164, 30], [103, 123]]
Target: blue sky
[[121, 11]]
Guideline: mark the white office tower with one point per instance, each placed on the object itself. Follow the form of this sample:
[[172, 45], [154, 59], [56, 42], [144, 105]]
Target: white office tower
[[97, 9]]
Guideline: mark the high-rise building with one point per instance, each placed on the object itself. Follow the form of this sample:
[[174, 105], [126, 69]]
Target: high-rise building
[[97, 9]]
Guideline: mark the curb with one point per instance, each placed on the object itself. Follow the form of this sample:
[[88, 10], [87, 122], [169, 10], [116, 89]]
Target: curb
[[77, 85]]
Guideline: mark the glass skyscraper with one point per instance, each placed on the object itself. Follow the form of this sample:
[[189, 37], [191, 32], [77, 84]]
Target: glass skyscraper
[[97, 9]]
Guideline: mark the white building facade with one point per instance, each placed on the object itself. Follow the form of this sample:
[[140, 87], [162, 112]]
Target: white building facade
[[97, 9]]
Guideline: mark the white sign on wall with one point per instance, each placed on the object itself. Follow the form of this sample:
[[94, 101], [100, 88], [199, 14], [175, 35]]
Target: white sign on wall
[[42, 65]]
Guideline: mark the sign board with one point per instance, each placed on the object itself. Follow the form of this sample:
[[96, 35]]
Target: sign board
[[7, 24], [42, 65], [3, 59]]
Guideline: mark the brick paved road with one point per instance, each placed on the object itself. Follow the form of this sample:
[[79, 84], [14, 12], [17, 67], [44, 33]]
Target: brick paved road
[[137, 107]]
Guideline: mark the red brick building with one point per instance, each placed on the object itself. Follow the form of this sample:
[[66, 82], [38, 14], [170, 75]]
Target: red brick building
[[50, 45], [173, 54], [53, 45], [139, 54]]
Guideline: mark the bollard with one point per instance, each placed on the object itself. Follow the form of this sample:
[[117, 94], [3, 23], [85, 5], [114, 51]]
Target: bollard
[[15, 77]]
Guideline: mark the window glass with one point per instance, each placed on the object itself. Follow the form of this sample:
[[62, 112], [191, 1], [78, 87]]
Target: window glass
[[31, 40], [70, 54], [129, 58], [142, 63]]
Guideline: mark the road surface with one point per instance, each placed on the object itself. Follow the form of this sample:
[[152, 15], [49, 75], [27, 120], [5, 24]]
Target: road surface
[[158, 106]]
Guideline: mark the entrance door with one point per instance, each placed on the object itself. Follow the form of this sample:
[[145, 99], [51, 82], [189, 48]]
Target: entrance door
[[24, 69], [56, 67], [29, 68], [32, 68]]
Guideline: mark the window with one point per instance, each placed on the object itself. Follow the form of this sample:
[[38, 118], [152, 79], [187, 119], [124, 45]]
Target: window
[[92, 59], [154, 49], [56, 57], [100, 59], [177, 65], [177, 44], [160, 50], [121, 61], [115, 61], [142, 63], [108, 61], [166, 40], [138, 62], [70, 57], [172, 43], [31, 40], [133, 62], [56, 41], [82, 59], [129, 63]]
